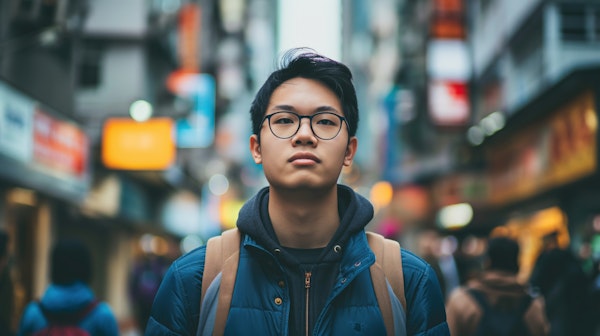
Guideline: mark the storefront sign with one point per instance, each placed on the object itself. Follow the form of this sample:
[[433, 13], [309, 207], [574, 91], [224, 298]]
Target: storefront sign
[[558, 150], [460, 188], [40, 150], [15, 124], [59, 147], [131, 145]]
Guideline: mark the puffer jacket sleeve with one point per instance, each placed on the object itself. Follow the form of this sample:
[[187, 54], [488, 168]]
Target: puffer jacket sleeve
[[176, 306], [426, 313]]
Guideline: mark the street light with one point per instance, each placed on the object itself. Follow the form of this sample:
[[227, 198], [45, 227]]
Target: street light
[[140, 110]]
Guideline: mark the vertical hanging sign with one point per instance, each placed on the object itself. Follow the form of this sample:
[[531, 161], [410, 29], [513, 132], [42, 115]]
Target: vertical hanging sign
[[198, 128], [448, 65]]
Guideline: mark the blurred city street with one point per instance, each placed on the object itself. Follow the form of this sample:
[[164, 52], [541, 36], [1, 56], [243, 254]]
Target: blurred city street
[[126, 125]]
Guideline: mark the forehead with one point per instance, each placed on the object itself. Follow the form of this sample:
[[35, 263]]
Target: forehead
[[304, 94]]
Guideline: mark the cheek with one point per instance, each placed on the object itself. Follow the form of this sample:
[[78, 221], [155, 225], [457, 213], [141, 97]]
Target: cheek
[[269, 157], [341, 152]]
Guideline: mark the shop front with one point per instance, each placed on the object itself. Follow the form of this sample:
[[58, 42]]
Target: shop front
[[43, 162], [542, 178]]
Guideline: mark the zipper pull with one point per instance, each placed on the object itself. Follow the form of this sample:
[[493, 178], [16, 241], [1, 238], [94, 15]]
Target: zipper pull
[[307, 276]]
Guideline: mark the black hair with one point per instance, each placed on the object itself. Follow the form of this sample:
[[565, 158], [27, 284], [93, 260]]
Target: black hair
[[71, 262], [300, 62], [503, 254]]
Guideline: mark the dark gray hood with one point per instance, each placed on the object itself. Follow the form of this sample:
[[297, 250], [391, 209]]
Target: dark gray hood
[[355, 213]]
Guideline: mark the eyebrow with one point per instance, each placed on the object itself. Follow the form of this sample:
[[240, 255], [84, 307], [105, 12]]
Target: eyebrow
[[324, 108]]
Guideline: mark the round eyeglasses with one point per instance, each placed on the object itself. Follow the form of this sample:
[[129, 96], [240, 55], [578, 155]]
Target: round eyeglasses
[[324, 125]]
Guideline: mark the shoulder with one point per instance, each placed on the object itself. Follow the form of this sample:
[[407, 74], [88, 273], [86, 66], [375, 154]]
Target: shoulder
[[461, 301], [412, 261], [32, 319], [463, 312], [102, 320], [191, 260], [185, 273], [424, 299], [177, 302], [417, 272], [103, 311], [188, 267]]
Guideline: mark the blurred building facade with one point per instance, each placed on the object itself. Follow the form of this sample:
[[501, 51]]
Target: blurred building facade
[[67, 69], [513, 136]]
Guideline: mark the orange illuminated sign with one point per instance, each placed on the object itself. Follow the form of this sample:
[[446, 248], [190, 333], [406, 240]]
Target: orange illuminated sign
[[131, 145], [189, 29], [448, 19]]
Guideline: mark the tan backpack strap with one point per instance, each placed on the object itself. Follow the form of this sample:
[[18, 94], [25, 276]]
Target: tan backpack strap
[[231, 242], [380, 286], [212, 263], [226, 292], [392, 266], [388, 264], [222, 255]]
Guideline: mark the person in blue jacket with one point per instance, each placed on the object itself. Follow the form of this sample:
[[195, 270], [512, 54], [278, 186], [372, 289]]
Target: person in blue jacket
[[69, 294], [304, 258]]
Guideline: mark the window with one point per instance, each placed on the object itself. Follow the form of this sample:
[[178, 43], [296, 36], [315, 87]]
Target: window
[[90, 68], [573, 23], [596, 24]]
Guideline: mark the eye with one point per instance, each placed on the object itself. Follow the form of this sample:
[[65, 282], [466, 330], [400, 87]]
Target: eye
[[327, 119], [281, 118]]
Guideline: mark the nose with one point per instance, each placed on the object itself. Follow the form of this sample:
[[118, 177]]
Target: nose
[[305, 133]]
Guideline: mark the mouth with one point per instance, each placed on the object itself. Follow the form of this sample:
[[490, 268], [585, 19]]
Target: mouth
[[304, 158]]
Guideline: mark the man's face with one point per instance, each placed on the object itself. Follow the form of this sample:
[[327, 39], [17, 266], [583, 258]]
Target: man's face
[[303, 160]]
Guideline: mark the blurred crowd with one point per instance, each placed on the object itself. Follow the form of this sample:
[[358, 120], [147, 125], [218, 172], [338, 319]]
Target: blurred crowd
[[561, 295]]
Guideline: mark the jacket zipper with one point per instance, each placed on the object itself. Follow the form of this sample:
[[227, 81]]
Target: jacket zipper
[[307, 276]]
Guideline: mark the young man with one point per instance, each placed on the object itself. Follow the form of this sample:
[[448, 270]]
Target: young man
[[304, 258]]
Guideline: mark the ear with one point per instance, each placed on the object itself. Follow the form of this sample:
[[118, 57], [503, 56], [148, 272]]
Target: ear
[[350, 151], [255, 149]]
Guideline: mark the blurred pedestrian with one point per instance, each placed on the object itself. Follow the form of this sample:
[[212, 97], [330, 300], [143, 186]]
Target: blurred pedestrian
[[428, 248], [145, 280], [447, 262], [567, 289], [7, 292], [496, 296], [69, 298], [304, 259]]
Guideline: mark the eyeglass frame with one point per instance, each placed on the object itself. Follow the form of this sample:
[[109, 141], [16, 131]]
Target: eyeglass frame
[[310, 119]]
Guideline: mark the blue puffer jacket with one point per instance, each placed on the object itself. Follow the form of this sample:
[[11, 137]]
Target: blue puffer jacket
[[99, 322], [261, 302]]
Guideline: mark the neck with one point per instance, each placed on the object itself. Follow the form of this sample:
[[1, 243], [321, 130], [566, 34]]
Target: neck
[[304, 220]]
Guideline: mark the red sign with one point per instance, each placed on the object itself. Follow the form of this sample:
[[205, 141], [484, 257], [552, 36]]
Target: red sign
[[59, 146], [448, 102], [189, 28]]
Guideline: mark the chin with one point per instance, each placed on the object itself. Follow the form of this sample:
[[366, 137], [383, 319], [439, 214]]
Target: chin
[[300, 186]]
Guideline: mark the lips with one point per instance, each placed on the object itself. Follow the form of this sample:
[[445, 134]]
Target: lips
[[304, 157]]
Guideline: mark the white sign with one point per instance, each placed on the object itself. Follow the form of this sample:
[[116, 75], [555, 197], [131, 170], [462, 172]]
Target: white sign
[[16, 120]]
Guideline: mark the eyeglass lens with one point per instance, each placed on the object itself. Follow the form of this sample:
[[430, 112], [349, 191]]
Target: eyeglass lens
[[325, 125]]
